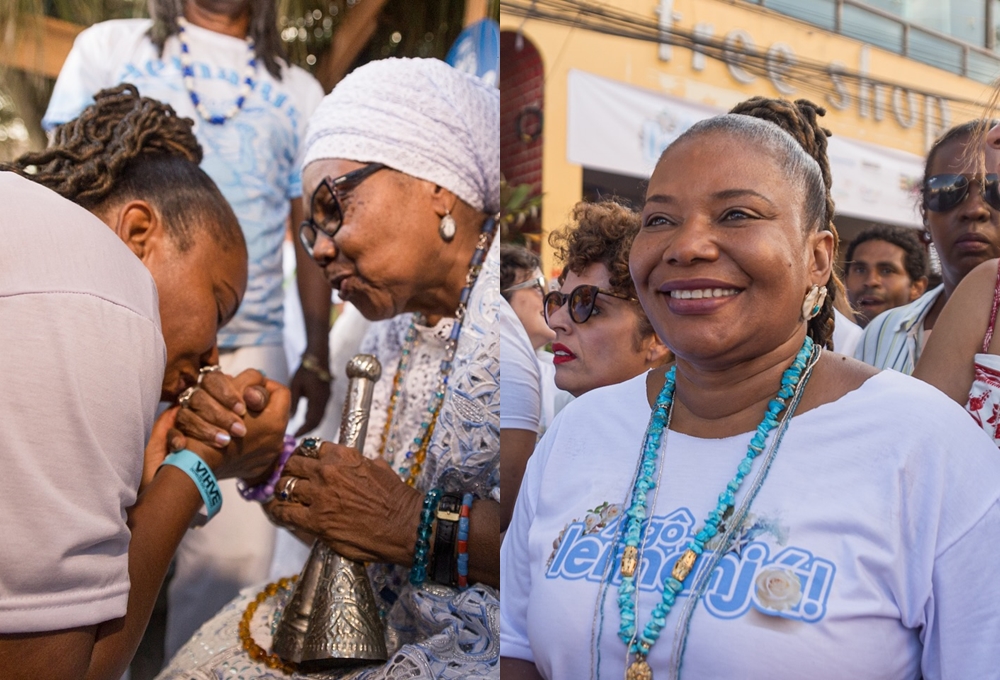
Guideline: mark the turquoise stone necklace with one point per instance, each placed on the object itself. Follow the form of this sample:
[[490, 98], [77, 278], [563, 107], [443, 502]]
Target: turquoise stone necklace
[[632, 537]]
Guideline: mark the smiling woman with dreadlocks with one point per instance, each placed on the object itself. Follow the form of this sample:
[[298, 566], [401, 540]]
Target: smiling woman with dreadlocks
[[221, 63], [119, 260], [765, 508]]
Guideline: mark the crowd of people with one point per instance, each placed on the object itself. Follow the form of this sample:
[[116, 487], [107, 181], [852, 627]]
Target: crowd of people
[[773, 494], [721, 457], [147, 390]]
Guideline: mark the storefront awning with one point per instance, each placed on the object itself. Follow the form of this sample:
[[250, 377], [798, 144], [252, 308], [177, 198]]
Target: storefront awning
[[622, 129]]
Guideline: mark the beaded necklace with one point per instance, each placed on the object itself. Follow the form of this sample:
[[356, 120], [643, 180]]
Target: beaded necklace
[[640, 645], [416, 453], [188, 70]]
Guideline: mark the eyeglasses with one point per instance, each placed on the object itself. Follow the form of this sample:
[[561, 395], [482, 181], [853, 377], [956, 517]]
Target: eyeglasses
[[945, 192], [325, 211], [581, 302], [537, 280]]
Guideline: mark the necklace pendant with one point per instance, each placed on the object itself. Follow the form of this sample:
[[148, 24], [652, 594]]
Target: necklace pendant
[[630, 560], [639, 670], [684, 564]]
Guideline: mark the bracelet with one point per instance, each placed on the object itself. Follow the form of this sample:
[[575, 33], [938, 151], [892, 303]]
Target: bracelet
[[202, 475], [462, 562], [264, 492], [314, 365], [442, 569], [418, 572]]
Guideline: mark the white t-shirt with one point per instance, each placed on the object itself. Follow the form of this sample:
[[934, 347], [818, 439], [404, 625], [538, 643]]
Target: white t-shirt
[[81, 368], [846, 334], [254, 157], [520, 376], [876, 522]]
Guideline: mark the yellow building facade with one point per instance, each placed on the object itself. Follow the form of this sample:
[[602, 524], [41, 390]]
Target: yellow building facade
[[605, 94]]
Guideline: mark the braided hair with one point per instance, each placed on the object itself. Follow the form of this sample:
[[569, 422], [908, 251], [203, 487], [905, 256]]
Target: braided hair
[[268, 47], [801, 120], [125, 147]]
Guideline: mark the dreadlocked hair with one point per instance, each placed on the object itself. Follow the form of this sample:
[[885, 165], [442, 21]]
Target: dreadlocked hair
[[801, 120], [126, 147], [268, 47]]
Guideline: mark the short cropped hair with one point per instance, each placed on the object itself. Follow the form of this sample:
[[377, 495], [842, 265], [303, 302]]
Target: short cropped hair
[[915, 258]]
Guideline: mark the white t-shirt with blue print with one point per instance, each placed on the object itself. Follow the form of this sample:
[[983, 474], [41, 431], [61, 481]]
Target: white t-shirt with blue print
[[869, 552], [254, 157]]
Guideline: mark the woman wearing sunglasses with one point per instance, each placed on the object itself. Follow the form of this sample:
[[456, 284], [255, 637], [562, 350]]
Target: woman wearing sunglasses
[[602, 334], [962, 358], [764, 508], [961, 211], [403, 178]]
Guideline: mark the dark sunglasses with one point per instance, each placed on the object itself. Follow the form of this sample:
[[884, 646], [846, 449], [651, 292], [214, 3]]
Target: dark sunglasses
[[581, 302], [945, 192], [325, 212]]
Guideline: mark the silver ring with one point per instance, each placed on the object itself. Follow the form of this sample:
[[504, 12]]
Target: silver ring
[[184, 401], [310, 447], [290, 489], [205, 370], [286, 489]]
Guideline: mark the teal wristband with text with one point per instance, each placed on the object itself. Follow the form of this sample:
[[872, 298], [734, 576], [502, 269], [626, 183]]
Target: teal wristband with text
[[203, 477]]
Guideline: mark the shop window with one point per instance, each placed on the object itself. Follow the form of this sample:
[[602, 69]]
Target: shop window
[[872, 28], [983, 68], [820, 13], [934, 51]]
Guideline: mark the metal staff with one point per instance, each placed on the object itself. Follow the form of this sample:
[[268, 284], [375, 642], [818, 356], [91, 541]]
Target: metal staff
[[331, 620]]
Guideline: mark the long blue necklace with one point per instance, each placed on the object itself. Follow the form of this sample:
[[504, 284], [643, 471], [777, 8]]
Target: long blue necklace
[[636, 514], [246, 86]]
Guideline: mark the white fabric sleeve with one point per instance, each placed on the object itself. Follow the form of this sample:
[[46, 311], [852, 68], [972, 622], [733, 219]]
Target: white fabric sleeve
[[520, 376], [961, 635], [515, 569], [83, 74]]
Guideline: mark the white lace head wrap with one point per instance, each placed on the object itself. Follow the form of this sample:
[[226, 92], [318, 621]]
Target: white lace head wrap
[[419, 116]]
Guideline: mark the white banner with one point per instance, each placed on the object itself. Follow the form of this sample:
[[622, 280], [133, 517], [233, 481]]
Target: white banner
[[623, 129]]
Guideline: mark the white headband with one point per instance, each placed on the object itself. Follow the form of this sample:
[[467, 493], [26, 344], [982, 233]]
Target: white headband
[[419, 116]]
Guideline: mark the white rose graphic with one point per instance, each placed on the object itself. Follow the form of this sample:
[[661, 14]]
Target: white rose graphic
[[778, 589]]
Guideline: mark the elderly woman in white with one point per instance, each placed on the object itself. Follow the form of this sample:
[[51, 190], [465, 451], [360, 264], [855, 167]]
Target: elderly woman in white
[[402, 174]]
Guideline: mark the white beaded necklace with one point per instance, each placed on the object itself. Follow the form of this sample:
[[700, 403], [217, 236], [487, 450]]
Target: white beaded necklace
[[245, 89]]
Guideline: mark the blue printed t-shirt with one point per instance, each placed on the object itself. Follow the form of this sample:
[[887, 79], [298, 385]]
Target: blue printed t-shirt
[[254, 157], [867, 551]]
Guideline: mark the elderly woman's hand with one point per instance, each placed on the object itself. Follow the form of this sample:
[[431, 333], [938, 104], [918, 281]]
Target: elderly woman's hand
[[358, 507], [215, 410]]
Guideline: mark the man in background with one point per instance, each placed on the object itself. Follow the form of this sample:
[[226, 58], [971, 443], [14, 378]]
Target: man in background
[[886, 267]]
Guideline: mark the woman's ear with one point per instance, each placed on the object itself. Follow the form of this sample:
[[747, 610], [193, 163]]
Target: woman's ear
[[822, 255], [138, 225], [443, 201], [658, 354]]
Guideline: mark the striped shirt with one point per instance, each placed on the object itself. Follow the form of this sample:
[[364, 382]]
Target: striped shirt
[[895, 337]]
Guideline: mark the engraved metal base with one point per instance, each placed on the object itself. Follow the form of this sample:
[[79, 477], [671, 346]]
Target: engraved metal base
[[334, 623]]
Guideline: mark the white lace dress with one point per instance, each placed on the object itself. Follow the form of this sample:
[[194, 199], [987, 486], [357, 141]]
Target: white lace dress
[[433, 631]]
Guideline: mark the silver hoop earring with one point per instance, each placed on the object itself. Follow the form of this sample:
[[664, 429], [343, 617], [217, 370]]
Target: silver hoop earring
[[815, 297], [447, 228]]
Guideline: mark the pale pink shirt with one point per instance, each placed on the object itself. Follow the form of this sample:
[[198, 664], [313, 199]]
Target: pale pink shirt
[[81, 366]]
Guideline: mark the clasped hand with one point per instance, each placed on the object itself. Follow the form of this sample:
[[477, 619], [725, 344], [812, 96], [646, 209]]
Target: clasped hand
[[236, 424]]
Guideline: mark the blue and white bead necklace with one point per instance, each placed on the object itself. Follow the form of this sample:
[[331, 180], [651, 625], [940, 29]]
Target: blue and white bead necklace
[[635, 516], [188, 70], [416, 453]]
